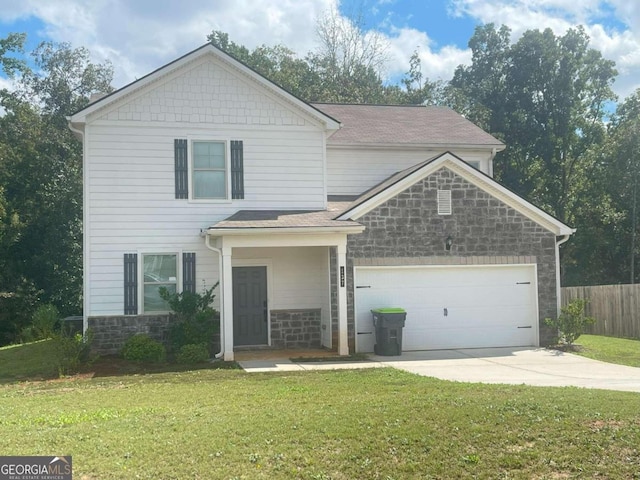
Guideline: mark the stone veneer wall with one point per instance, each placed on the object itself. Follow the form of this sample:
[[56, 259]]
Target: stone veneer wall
[[110, 332], [408, 230], [296, 328]]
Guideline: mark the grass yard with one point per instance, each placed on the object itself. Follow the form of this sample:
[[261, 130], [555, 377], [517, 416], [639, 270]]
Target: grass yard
[[609, 349], [28, 361], [354, 424]]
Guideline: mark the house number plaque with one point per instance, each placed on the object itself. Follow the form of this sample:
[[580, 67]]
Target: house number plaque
[[342, 276]]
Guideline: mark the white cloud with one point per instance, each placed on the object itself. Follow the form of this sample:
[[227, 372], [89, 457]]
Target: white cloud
[[436, 65], [613, 26], [140, 36]]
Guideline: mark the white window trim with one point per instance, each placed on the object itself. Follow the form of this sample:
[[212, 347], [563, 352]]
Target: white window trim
[[227, 165], [141, 255]]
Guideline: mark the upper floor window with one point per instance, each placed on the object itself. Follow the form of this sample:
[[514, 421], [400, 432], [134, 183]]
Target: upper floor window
[[474, 163], [209, 171]]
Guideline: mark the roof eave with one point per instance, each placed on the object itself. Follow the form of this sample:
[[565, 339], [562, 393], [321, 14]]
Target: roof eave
[[221, 232], [413, 146]]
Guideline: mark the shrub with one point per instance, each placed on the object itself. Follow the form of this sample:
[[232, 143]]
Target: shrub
[[195, 320], [571, 322], [193, 353], [142, 348], [27, 334], [44, 321], [72, 351]]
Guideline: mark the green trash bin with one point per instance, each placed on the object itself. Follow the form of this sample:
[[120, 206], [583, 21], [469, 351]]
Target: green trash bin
[[388, 323]]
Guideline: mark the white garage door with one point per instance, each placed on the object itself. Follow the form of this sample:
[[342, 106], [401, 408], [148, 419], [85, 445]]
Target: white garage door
[[451, 307]]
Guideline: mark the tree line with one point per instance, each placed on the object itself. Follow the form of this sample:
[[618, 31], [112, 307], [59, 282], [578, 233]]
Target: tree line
[[571, 149]]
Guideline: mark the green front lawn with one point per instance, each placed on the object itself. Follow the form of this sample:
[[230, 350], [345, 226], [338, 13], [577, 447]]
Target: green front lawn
[[355, 424], [609, 349], [29, 361]]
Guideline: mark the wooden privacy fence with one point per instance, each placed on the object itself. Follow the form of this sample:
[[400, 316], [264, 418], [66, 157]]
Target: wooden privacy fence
[[616, 308]]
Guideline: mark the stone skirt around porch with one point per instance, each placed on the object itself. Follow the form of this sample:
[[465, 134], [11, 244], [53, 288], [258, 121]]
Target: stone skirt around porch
[[296, 329]]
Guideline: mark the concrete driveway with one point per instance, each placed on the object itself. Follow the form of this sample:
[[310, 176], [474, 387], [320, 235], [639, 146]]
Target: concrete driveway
[[529, 366]]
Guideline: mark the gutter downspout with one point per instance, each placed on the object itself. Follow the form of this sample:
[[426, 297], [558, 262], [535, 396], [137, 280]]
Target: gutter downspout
[[558, 288], [85, 289], [207, 243], [494, 151]]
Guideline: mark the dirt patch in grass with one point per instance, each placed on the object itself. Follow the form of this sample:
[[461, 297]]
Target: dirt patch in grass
[[574, 348]]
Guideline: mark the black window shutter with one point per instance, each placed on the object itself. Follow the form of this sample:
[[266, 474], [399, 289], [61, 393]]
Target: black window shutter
[[189, 272], [182, 168], [130, 284], [237, 170]]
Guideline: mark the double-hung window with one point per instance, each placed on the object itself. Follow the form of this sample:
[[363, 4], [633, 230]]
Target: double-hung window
[[209, 171], [159, 270]]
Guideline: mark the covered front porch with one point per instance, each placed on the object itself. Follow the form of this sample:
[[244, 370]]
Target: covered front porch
[[276, 284]]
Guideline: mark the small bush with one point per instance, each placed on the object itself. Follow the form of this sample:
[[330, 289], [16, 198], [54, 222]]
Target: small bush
[[72, 351], [142, 348], [27, 335], [571, 322], [193, 353], [44, 321], [194, 318]]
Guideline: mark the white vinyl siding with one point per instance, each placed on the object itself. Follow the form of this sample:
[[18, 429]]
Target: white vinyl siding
[[299, 279], [131, 204], [353, 171]]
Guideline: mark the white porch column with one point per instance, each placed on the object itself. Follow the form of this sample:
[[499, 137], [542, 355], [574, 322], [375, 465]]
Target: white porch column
[[227, 298], [341, 281]]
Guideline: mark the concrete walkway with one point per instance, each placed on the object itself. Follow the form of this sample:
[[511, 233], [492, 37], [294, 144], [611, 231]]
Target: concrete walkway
[[529, 366]]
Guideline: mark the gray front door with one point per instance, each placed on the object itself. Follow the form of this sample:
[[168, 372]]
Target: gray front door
[[250, 306]]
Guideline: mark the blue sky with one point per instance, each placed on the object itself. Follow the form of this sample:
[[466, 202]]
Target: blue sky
[[138, 36]]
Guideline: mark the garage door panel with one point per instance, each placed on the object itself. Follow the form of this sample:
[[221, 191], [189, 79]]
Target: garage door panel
[[451, 307]]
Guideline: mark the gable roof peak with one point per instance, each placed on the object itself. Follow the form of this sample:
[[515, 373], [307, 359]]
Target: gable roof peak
[[404, 179], [80, 116]]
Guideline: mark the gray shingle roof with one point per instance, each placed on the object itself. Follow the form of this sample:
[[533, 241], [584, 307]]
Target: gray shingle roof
[[403, 124], [287, 218]]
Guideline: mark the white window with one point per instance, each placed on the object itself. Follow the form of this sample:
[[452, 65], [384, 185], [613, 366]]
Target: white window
[[159, 270], [474, 163], [209, 171], [444, 202]]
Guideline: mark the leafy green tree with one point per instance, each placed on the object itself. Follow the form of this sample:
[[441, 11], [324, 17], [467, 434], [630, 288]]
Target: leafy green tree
[[41, 178], [278, 63], [545, 96], [418, 89], [620, 172], [347, 68]]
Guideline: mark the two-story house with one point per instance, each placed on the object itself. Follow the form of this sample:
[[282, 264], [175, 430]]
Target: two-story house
[[309, 216]]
